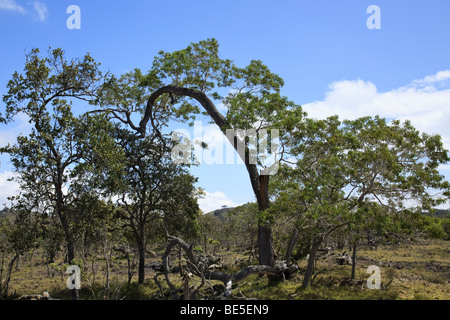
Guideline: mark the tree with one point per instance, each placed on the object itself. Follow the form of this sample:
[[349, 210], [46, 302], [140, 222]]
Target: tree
[[154, 188], [182, 80], [341, 166], [46, 160]]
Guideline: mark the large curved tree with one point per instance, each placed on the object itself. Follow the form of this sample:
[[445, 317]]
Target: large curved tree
[[185, 83]]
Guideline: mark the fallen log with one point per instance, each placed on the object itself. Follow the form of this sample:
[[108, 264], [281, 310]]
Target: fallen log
[[198, 267], [44, 296]]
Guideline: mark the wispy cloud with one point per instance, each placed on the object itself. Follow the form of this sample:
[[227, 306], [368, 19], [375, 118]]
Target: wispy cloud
[[37, 10], [439, 79], [40, 11], [7, 188], [11, 5]]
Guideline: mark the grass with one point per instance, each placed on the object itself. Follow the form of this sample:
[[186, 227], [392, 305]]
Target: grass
[[417, 272]]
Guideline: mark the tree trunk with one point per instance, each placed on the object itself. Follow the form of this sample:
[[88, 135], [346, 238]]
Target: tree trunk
[[107, 261], [291, 246], [355, 244], [311, 261], [65, 224], [266, 254], [70, 248], [141, 267], [130, 267], [5, 285]]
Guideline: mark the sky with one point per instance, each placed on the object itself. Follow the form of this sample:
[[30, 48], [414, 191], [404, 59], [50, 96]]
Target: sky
[[328, 52]]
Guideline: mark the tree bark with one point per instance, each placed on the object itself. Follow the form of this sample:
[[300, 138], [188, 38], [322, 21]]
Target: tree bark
[[4, 287], [291, 245], [265, 239], [355, 244], [107, 261], [317, 241], [70, 246], [141, 267]]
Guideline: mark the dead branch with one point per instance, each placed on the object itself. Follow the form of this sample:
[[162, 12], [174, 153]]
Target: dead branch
[[199, 266]]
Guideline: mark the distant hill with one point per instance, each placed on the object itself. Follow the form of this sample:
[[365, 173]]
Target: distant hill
[[440, 213], [220, 213], [223, 212], [4, 212]]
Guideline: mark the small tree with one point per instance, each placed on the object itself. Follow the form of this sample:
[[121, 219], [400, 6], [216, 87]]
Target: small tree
[[154, 188]]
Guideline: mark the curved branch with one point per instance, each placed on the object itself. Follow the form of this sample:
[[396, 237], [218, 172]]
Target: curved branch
[[211, 109], [201, 97]]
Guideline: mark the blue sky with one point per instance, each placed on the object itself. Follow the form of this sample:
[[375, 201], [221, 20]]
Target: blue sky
[[331, 62]]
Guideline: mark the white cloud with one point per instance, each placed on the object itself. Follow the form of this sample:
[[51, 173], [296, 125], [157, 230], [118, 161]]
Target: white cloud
[[20, 126], [40, 11], [215, 200], [426, 102], [436, 78], [11, 5], [7, 188]]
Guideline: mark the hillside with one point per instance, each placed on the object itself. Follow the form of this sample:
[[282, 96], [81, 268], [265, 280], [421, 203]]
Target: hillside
[[220, 213]]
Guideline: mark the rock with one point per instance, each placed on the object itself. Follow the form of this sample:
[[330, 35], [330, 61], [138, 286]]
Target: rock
[[344, 259], [45, 296], [156, 266]]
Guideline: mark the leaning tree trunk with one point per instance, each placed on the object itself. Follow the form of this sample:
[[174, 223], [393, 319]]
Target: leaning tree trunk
[[291, 245], [4, 285], [259, 182], [317, 241]]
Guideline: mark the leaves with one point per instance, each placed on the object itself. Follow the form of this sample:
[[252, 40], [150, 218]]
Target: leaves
[[362, 172]]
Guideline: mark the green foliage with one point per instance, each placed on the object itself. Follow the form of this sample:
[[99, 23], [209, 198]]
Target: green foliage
[[50, 79], [198, 67], [359, 174]]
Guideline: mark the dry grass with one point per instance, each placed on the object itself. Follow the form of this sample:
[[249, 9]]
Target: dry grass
[[420, 271]]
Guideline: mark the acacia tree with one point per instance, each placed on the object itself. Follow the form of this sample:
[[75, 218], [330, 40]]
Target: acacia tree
[[182, 82], [46, 160], [341, 166]]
